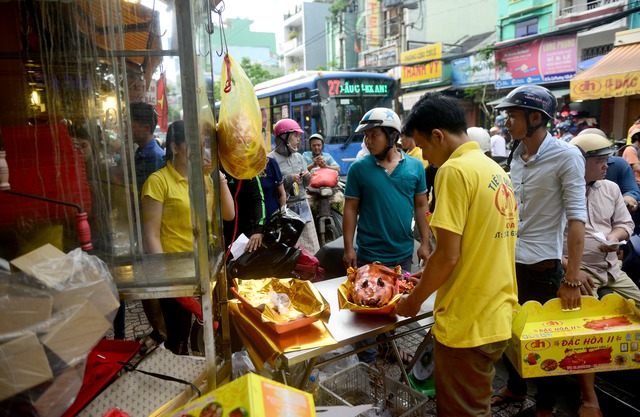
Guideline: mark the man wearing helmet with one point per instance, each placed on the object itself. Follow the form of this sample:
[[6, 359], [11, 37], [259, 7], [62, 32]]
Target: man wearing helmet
[[599, 268], [473, 264], [548, 180], [316, 158], [385, 190], [564, 131]]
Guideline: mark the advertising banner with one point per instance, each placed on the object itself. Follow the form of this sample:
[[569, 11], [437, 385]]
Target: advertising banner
[[543, 60], [420, 73], [373, 23], [472, 70], [615, 85], [433, 51]]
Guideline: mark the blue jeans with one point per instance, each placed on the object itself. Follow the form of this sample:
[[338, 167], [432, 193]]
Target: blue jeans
[[369, 355]]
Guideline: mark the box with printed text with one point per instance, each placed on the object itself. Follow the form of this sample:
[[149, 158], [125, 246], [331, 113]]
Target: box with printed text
[[248, 396], [604, 335]]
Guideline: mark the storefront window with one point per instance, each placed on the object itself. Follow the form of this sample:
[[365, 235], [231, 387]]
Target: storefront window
[[71, 73]]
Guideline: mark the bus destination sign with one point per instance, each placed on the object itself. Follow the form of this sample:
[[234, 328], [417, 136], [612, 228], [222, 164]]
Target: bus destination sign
[[355, 87]]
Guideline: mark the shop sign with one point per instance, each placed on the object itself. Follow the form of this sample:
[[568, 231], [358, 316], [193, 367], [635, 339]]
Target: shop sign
[[373, 23], [550, 59], [420, 73], [424, 53], [386, 56], [617, 85], [472, 70]]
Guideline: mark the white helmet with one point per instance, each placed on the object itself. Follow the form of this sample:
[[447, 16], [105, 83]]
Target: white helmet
[[592, 144], [379, 117], [480, 135]]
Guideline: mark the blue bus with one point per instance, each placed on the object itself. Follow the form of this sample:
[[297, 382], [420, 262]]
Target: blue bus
[[327, 102]]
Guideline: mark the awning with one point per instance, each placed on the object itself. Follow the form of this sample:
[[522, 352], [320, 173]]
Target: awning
[[559, 93], [615, 75], [411, 98]]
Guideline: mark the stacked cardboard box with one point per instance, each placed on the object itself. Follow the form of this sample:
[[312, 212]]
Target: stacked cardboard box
[[50, 322]]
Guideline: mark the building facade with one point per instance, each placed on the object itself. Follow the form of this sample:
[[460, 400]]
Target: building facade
[[305, 45]]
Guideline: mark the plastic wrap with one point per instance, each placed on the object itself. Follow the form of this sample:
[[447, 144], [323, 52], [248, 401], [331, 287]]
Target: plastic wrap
[[51, 319]]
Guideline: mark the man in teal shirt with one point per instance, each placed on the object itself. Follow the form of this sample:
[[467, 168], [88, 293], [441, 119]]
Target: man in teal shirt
[[385, 190]]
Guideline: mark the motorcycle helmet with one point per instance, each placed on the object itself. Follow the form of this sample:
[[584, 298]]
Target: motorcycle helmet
[[284, 228], [531, 98], [283, 130], [316, 136], [564, 126], [480, 135], [385, 118], [592, 144], [287, 126], [593, 130], [277, 260]]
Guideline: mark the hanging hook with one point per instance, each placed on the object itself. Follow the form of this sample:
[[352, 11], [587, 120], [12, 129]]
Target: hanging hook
[[210, 10], [224, 49]]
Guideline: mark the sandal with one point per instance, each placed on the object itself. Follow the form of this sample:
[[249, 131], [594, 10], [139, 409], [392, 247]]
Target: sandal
[[504, 396], [147, 343]]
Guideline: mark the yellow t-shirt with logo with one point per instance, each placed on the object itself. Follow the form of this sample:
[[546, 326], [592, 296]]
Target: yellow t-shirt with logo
[[417, 153], [476, 201], [171, 189]]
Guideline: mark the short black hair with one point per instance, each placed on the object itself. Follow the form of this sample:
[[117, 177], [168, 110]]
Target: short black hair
[[144, 113], [436, 111], [175, 134]]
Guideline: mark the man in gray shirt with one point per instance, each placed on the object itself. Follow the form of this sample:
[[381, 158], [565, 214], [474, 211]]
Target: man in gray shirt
[[548, 180]]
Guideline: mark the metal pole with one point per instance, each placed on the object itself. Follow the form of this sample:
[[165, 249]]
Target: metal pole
[[186, 22]]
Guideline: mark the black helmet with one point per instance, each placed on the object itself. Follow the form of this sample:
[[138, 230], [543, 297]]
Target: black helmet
[[277, 260], [531, 97], [283, 227]]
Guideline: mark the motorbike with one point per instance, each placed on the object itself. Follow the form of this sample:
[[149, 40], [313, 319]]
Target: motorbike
[[277, 257], [327, 219]]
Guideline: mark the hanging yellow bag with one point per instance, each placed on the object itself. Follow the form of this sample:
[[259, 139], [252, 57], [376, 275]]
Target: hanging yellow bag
[[240, 146]]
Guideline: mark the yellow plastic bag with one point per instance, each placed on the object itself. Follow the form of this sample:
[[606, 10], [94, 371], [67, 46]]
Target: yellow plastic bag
[[240, 146]]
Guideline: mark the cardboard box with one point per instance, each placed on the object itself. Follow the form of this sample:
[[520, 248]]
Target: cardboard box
[[21, 312], [604, 335], [248, 396], [75, 332], [23, 365], [98, 293]]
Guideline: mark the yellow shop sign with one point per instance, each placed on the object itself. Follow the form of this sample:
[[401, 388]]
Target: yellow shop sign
[[425, 53]]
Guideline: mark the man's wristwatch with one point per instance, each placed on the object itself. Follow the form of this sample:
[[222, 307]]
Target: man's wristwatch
[[571, 284]]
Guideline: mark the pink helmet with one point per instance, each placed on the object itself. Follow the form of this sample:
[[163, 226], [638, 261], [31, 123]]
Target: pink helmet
[[287, 125]]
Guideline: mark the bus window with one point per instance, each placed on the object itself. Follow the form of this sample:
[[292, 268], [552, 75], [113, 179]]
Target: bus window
[[302, 115]]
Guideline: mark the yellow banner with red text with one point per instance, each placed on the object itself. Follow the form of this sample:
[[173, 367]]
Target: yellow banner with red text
[[413, 74], [616, 85]]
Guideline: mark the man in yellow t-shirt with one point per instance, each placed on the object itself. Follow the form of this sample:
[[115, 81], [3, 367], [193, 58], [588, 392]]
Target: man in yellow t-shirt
[[408, 145], [473, 264]]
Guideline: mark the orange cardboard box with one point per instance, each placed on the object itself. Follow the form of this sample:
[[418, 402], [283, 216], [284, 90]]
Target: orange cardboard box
[[604, 335], [248, 396]]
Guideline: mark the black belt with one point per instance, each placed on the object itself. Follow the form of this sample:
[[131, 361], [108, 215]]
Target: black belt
[[543, 265]]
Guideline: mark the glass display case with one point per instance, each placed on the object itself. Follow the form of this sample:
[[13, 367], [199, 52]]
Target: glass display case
[[70, 72]]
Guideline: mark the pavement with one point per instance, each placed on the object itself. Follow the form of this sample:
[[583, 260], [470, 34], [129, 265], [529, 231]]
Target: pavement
[[137, 326]]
